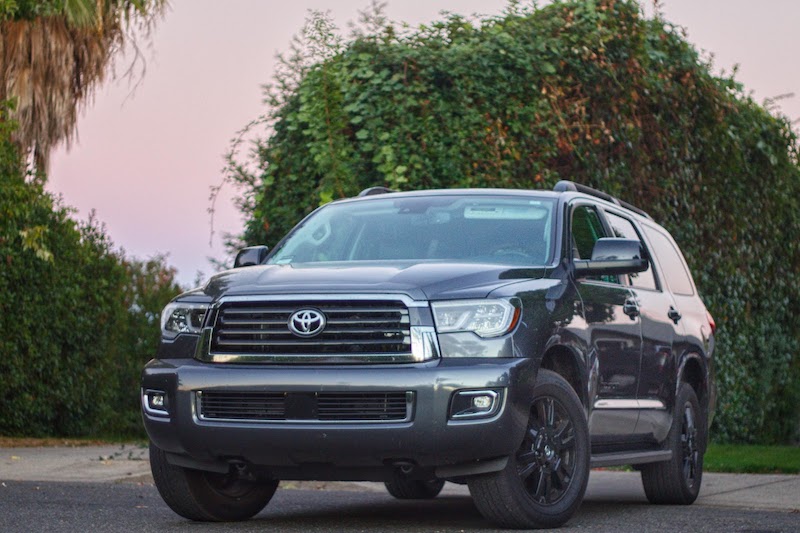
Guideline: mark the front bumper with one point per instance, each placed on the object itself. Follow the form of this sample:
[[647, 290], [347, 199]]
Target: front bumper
[[428, 440]]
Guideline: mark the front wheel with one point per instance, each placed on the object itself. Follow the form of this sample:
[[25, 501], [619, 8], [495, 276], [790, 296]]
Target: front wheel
[[544, 481], [208, 496], [677, 481]]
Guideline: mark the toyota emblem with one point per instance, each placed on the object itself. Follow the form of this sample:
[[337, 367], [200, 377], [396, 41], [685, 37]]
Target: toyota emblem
[[306, 322]]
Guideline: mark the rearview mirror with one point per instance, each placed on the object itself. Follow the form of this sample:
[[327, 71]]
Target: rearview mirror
[[612, 256], [250, 256]]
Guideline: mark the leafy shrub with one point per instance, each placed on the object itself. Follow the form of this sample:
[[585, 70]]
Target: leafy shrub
[[582, 90], [149, 286], [59, 315], [78, 319]]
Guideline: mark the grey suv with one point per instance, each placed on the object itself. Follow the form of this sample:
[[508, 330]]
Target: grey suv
[[505, 339]]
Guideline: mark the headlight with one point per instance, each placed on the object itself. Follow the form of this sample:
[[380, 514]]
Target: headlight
[[179, 317], [486, 318]]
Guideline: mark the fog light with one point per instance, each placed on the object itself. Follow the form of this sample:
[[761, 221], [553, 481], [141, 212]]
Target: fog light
[[155, 403], [484, 403], [475, 403]]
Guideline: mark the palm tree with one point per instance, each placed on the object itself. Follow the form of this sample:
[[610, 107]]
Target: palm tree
[[54, 54]]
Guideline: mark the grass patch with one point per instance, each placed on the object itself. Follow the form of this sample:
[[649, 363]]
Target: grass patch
[[752, 459]]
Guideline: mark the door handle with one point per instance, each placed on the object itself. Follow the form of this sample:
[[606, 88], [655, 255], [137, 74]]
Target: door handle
[[631, 308], [673, 314]]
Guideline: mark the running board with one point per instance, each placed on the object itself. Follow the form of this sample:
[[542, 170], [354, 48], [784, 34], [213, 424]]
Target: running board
[[630, 458]]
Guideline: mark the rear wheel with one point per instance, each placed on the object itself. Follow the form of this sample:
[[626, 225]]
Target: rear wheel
[[403, 488], [209, 496], [677, 481], [543, 483]]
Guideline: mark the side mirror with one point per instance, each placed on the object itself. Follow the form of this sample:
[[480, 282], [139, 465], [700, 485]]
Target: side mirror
[[612, 256], [250, 256]]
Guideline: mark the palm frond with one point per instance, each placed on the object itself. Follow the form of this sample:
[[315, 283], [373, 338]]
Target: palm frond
[[51, 65]]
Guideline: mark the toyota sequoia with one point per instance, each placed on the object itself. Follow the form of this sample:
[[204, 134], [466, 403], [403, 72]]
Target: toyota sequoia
[[509, 340]]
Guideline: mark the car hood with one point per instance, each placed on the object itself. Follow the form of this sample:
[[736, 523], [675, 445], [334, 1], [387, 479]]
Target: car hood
[[420, 281]]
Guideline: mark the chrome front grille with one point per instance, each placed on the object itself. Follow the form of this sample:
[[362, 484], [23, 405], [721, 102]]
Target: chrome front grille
[[235, 406], [376, 327]]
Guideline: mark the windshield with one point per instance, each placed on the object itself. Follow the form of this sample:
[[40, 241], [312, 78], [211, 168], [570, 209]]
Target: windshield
[[494, 229]]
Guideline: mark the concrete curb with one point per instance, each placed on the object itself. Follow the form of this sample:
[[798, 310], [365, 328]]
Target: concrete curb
[[85, 463]]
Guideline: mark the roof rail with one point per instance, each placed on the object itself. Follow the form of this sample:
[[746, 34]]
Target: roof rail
[[375, 190], [565, 185]]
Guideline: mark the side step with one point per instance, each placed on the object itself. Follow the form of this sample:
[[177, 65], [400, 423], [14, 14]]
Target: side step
[[630, 458]]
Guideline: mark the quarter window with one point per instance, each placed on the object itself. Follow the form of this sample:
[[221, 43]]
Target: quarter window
[[586, 229], [672, 264], [624, 229]]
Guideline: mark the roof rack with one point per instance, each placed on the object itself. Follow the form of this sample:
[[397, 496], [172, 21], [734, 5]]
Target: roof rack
[[565, 185], [375, 190]]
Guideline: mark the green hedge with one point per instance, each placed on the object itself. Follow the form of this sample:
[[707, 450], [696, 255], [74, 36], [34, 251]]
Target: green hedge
[[59, 313], [149, 286], [78, 320], [583, 90]]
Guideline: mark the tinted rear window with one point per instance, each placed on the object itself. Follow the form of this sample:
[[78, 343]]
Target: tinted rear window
[[673, 267]]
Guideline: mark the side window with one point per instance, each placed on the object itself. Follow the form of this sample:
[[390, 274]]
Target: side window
[[586, 229], [623, 228], [672, 264]]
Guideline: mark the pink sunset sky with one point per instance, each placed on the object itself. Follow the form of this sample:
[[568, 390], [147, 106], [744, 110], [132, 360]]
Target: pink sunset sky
[[145, 161]]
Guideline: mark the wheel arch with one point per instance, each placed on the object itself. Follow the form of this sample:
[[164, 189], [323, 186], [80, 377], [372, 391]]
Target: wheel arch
[[565, 362], [692, 370]]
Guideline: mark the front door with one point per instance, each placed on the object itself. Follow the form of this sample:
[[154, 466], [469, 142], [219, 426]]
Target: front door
[[615, 335]]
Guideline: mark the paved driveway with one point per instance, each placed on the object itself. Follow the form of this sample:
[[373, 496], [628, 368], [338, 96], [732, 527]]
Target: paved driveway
[[109, 488]]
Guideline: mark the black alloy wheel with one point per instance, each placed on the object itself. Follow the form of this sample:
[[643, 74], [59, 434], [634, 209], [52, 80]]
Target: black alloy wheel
[[691, 451], [546, 460], [543, 482], [677, 481]]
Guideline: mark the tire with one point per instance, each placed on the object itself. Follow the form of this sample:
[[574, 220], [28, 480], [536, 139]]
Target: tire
[[208, 496], [403, 488], [544, 481], [677, 481]]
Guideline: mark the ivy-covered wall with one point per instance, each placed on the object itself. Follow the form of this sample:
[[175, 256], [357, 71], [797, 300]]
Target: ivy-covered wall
[[588, 91]]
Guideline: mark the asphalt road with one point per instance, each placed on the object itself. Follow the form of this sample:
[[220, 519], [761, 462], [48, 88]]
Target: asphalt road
[[28, 506]]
